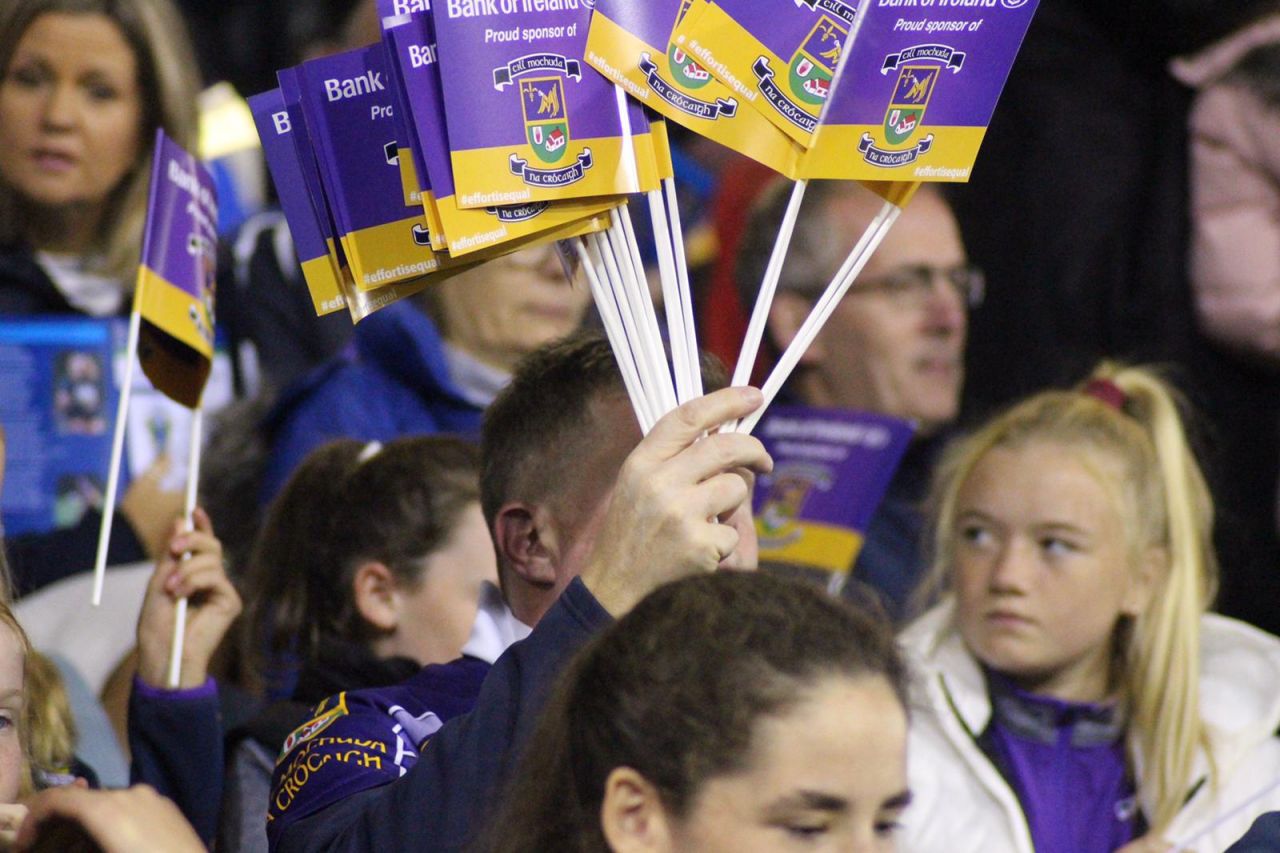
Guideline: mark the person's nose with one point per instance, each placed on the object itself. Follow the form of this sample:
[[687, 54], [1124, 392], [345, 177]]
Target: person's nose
[[61, 108], [1010, 569], [945, 310]]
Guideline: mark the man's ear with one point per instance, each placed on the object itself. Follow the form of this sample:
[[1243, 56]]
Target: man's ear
[[521, 533], [786, 315], [632, 816], [377, 596]]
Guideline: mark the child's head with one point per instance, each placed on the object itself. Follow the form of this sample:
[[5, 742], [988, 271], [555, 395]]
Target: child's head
[[731, 711], [1075, 532], [409, 550], [15, 715], [382, 545]]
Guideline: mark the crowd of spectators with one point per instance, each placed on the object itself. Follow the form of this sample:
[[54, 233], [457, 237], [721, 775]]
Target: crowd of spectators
[[442, 593]]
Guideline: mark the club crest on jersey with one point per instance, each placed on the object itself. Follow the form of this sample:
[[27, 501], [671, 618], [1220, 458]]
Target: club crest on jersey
[[324, 716]]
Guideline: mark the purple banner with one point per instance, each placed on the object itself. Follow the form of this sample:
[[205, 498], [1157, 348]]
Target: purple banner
[[974, 45], [831, 470], [485, 53], [349, 112]]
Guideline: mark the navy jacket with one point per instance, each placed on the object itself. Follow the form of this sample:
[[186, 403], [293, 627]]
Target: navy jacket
[[175, 737], [363, 739], [444, 801], [1262, 837], [395, 383]]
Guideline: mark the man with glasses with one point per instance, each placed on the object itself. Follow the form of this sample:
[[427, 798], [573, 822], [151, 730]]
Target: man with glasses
[[894, 345]]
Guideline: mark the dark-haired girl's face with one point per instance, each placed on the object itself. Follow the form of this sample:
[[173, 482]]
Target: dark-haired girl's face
[[70, 111], [437, 614], [828, 774]]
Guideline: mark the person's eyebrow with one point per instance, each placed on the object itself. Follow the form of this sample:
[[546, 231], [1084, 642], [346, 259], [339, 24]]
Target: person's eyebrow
[[900, 800], [810, 800]]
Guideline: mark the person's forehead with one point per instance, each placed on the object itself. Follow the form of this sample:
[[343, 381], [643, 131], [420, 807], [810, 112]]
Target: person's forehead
[[926, 232]]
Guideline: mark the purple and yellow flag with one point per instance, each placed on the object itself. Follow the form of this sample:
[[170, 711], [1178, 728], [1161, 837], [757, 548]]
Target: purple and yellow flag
[[831, 470], [631, 44], [177, 278], [916, 91], [779, 58]]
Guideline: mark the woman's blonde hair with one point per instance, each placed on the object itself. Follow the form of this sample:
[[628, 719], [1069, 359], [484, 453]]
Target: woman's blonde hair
[[168, 85], [1132, 416], [51, 733]]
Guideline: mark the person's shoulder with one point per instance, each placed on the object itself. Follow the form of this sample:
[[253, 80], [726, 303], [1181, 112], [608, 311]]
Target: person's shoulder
[[366, 738], [25, 287]]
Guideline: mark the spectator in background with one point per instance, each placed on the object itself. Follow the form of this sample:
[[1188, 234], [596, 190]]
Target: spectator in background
[[430, 364], [895, 345], [1235, 207], [85, 85], [175, 734], [1077, 212]]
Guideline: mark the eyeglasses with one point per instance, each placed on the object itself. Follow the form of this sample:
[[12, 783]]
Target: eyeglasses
[[911, 286], [542, 257]]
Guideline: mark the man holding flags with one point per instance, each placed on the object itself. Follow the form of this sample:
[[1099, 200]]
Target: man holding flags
[[586, 522]]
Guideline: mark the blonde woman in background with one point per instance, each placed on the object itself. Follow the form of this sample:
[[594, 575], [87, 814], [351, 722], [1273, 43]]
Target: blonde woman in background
[[85, 85], [1071, 694]]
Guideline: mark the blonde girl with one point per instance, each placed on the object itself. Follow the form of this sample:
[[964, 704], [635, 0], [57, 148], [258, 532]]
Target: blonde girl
[[1073, 694]]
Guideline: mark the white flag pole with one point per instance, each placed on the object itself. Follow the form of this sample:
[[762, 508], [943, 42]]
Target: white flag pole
[[647, 314], [686, 293], [768, 287], [672, 302], [612, 320], [631, 323], [193, 480], [117, 454], [824, 308]]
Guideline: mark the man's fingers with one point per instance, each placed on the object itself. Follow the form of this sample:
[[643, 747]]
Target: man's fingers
[[721, 495], [724, 538], [679, 428], [202, 521], [716, 454]]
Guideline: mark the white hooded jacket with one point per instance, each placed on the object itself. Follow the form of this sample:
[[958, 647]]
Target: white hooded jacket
[[961, 803]]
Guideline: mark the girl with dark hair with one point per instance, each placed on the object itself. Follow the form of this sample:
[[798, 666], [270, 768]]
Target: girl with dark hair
[[371, 565], [731, 711]]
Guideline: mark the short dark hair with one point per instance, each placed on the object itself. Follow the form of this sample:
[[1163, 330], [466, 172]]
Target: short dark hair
[[674, 690], [541, 423]]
